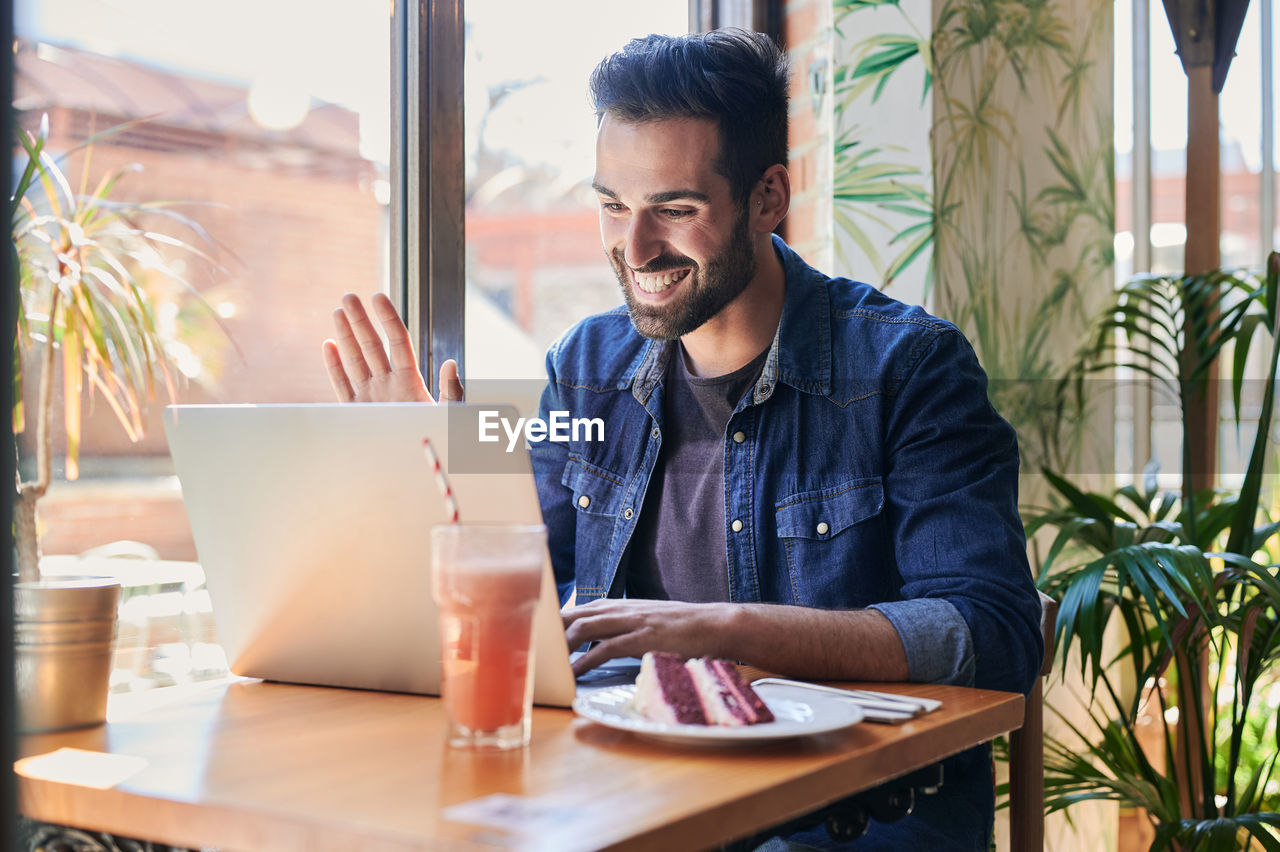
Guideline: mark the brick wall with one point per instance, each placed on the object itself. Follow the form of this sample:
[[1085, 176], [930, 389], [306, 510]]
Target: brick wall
[[807, 33], [75, 517]]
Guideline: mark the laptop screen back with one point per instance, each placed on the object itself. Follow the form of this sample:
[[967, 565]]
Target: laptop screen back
[[311, 522]]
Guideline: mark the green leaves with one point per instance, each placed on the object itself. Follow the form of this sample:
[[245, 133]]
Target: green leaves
[[90, 268], [880, 56], [1147, 583], [1126, 572], [880, 202], [1250, 491], [1174, 329], [866, 184], [1223, 834]]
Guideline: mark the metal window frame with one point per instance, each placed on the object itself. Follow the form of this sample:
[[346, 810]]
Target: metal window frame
[[428, 236], [8, 321], [764, 16], [1140, 186]]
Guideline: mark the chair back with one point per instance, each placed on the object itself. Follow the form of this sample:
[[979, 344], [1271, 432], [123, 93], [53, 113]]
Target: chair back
[[1026, 751]]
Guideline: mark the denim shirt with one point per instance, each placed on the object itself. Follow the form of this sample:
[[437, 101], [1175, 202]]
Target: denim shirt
[[866, 468]]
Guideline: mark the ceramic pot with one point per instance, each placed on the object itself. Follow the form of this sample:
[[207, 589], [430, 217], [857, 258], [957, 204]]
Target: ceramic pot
[[64, 630]]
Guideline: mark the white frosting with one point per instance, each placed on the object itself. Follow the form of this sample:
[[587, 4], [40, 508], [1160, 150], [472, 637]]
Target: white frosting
[[648, 700], [710, 693]]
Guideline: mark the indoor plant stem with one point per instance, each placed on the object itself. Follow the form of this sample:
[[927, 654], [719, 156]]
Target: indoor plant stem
[[29, 493]]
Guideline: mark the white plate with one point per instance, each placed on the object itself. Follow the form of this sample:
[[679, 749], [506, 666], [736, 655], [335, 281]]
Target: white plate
[[797, 712]]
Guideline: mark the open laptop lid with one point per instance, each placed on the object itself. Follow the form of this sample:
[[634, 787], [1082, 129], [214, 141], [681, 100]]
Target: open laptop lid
[[311, 522]]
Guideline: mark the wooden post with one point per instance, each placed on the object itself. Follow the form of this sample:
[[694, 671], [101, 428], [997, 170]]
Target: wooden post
[[1203, 217]]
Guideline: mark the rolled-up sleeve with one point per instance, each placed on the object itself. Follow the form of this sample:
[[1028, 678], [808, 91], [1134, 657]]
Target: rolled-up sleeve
[[969, 612], [936, 638]]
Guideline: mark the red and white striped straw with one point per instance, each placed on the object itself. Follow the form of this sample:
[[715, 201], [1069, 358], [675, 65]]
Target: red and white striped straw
[[442, 481]]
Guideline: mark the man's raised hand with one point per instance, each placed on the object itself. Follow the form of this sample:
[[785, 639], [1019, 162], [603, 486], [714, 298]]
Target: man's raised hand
[[359, 367]]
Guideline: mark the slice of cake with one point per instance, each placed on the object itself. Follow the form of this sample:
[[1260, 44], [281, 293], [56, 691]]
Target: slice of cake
[[702, 691], [727, 699], [666, 692]]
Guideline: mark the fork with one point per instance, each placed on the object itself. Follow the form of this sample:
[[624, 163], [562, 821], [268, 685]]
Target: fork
[[877, 706]]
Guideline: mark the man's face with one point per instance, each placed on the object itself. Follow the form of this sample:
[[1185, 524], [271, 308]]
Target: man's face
[[679, 244]]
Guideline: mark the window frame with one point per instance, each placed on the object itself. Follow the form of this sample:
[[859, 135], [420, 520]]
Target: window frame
[[428, 192], [1142, 183]]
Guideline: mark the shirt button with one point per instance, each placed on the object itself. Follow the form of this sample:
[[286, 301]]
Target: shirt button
[[739, 437], [655, 433], [737, 525], [584, 501], [823, 528], [628, 514]]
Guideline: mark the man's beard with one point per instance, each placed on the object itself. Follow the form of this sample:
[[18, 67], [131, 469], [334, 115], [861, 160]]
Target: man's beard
[[706, 290]]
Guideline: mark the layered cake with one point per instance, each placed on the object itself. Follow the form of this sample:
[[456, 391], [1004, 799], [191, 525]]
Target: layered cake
[[701, 691]]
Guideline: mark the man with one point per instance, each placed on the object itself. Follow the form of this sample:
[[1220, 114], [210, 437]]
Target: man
[[800, 473]]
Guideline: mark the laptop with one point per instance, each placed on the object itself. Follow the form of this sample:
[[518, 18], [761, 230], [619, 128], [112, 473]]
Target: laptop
[[311, 522]]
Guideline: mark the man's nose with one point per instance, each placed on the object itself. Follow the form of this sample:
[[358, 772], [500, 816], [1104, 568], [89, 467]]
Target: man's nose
[[644, 241]]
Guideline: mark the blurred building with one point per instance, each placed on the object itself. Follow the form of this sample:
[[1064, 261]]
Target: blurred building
[[295, 218]]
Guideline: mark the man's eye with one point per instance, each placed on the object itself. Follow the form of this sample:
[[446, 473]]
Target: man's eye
[[613, 206], [672, 213]]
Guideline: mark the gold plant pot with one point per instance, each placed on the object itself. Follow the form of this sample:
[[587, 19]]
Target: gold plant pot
[[64, 630]]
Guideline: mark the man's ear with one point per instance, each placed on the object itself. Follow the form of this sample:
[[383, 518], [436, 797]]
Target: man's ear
[[771, 199]]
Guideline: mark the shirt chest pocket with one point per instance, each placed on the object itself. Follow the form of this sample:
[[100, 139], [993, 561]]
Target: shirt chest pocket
[[596, 491], [834, 543], [597, 496]]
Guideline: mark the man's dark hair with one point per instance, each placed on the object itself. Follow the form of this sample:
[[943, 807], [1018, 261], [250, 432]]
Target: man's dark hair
[[735, 77]]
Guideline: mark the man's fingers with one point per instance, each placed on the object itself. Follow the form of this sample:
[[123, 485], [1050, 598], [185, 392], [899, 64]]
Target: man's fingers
[[595, 627], [351, 357], [366, 336], [399, 344], [356, 359], [629, 628], [600, 653], [450, 384], [337, 375]]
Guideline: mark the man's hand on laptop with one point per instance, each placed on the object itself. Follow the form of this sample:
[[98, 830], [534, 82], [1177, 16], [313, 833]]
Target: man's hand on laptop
[[629, 627], [359, 367]]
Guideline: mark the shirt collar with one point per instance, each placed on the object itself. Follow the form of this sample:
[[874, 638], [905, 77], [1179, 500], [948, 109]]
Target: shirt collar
[[801, 352]]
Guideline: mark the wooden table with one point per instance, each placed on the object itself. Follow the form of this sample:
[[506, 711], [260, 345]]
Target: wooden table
[[252, 765]]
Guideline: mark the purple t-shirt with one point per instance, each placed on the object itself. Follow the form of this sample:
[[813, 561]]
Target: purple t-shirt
[[678, 547]]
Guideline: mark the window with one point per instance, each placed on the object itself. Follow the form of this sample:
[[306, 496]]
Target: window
[[533, 255], [1151, 140], [318, 159], [271, 123]]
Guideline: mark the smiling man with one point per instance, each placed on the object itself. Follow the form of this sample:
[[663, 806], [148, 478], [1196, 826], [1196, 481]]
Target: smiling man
[[799, 472]]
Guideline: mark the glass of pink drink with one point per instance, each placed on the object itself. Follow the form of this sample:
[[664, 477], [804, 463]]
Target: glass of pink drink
[[486, 580]]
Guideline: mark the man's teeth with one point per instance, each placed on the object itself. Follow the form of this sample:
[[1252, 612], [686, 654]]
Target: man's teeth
[[661, 281]]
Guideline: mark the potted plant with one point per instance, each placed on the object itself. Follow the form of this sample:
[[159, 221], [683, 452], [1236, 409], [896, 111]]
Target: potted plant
[[1186, 581], [84, 263]]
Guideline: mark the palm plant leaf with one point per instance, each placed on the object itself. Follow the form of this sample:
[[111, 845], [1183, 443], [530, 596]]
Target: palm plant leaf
[[1246, 515], [1092, 506], [1240, 360], [72, 380], [1146, 580], [80, 256], [1110, 766], [34, 148], [1222, 833]]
